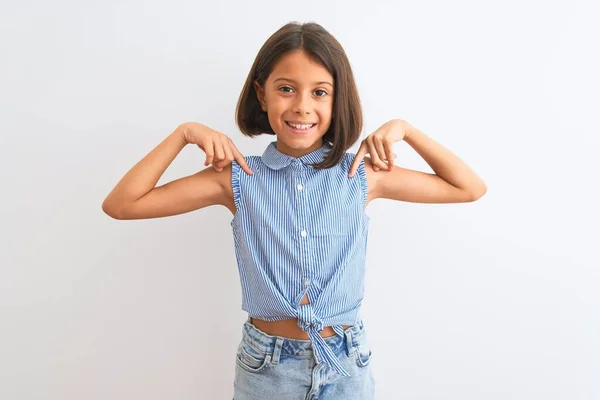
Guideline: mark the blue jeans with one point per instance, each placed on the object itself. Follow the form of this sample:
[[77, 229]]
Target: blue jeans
[[277, 368]]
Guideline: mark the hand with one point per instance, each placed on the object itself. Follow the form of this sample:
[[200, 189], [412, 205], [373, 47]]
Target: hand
[[379, 145], [218, 147]]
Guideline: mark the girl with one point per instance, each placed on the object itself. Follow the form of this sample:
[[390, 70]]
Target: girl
[[299, 227]]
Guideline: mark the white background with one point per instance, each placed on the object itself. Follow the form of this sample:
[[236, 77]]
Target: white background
[[496, 299]]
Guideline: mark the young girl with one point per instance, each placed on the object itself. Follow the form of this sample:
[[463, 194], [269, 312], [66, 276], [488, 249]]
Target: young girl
[[299, 226]]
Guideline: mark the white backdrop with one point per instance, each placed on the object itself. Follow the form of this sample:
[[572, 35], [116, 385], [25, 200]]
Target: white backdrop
[[495, 300]]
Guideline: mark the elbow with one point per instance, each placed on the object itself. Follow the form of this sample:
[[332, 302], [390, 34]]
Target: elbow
[[479, 193], [112, 210]]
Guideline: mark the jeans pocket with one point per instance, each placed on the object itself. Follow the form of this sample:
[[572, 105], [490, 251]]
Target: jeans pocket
[[250, 359]]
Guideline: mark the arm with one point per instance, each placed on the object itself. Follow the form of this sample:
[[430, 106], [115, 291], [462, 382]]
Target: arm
[[453, 181], [136, 197], [408, 185], [446, 164]]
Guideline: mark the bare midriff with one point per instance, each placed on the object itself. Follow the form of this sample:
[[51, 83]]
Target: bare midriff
[[289, 327]]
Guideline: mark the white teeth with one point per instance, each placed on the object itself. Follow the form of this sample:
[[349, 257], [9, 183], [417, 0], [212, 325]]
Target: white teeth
[[301, 127]]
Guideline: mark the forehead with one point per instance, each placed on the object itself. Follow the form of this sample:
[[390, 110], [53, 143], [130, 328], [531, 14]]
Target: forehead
[[299, 67]]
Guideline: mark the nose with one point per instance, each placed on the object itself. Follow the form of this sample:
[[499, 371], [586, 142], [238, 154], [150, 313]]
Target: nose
[[302, 104]]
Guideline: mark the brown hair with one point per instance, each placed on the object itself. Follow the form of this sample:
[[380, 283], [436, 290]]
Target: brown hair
[[321, 47]]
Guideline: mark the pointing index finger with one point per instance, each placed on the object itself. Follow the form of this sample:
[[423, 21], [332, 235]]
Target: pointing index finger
[[241, 160], [362, 151]]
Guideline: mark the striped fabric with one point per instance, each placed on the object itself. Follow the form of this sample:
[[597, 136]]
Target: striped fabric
[[299, 230]]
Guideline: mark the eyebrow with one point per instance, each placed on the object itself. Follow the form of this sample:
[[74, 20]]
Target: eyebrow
[[293, 81]]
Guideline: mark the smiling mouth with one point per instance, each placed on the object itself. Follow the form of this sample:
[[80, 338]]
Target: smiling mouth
[[310, 126]]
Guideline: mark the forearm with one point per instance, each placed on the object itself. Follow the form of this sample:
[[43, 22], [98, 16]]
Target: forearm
[[144, 175], [444, 163]]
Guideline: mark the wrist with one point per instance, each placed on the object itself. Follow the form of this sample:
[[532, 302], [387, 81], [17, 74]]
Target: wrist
[[404, 126], [181, 133]]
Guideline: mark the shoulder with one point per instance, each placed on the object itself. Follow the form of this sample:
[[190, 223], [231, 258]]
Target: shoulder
[[347, 160], [236, 170], [365, 173], [252, 161], [231, 173], [363, 166]]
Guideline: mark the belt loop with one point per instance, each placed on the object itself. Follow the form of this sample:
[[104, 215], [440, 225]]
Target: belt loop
[[349, 342], [277, 350]]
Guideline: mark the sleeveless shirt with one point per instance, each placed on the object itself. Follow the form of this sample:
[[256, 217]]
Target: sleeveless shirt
[[299, 230]]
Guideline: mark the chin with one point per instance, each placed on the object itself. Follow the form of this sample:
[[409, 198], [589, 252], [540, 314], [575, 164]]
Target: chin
[[299, 143]]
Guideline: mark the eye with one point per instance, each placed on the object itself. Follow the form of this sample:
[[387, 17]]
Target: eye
[[285, 87]]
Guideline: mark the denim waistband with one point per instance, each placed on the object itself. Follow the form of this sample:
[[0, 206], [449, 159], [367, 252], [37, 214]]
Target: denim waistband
[[300, 348]]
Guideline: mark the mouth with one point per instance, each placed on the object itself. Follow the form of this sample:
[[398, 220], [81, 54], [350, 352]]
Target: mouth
[[300, 128]]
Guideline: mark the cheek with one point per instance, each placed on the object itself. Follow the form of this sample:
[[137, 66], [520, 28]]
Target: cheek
[[326, 112], [276, 106], [276, 113]]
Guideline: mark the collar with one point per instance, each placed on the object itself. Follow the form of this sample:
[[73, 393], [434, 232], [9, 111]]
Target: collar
[[275, 159]]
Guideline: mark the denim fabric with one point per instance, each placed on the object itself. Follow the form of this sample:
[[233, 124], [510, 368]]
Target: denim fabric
[[277, 368]]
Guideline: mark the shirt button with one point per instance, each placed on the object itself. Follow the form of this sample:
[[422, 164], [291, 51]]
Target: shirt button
[[306, 282], [303, 233], [300, 187]]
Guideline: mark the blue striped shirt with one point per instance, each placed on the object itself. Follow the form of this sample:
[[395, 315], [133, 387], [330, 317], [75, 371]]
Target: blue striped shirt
[[299, 230]]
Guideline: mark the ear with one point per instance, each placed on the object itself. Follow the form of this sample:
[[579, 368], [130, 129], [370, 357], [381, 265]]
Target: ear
[[260, 94]]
